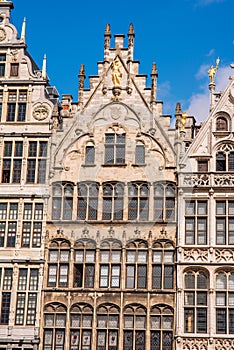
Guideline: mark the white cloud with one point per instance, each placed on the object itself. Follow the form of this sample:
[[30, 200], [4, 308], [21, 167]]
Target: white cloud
[[164, 89], [208, 2], [199, 102], [210, 53]]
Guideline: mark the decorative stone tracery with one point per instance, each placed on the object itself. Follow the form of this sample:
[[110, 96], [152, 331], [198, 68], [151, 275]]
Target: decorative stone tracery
[[195, 344]]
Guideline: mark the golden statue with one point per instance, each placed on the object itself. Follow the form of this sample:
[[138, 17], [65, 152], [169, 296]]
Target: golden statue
[[116, 72], [212, 71], [183, 121]]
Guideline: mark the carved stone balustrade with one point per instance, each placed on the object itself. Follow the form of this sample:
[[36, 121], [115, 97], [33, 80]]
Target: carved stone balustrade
[[206, 179]]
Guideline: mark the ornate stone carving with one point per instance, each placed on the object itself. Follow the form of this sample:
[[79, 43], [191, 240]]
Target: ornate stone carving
[[224, 255], [224, 180], [195, 344], [2, 34], [196, 254], [41, 111], [221, 344], [197, 180]]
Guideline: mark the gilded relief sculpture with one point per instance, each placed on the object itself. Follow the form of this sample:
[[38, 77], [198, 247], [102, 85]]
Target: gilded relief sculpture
[[116, 73]]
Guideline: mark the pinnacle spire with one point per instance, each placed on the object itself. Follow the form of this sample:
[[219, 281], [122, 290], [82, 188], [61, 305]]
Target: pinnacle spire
[[23, 30], [131, 30], [44, 75]]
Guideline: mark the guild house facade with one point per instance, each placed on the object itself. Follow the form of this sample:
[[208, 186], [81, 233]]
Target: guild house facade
[[116, 229]]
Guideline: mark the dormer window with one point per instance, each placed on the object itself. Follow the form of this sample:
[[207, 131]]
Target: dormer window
[[221, 124]]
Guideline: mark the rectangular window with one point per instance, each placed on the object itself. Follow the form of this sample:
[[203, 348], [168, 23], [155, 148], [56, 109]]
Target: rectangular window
[[2, 65], [14, 70], [221, 323], [7, 280], [202, 165], [5, 308], [224, 222], [21, 112], [115, 149], [196, 222], [31, 310], [22, 282], [11, 235], [20, 307], [11, 108]]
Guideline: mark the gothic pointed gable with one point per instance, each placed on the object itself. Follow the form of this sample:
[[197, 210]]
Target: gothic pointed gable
[[117, 95], [216, 131]]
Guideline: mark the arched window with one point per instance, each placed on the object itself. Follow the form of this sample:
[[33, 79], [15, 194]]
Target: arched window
[[107, 327], [58, 263], [134, 328], [164, 202], [89, 154], [84, 266], [225, 158], [138, 201], [113, 197], [140, 154], [163, 265], [114, 148], [225, 303], [110, 264], [161, 325], [62, 201], [87, 201], [221, 124], [54, 326], [81, 320], [136, 264], [195, 302]]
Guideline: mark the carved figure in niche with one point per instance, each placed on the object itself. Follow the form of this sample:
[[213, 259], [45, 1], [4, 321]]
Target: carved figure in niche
[[116, 72], [41, 112]]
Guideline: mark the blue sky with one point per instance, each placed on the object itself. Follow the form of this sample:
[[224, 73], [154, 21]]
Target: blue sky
[[184, 37]]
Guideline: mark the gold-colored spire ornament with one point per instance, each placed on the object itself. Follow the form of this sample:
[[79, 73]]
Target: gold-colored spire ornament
[[212, 71], [116, 73], [183, 119]]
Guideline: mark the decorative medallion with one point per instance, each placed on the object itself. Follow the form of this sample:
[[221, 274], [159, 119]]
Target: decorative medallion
[[2, 34], [40, 111]]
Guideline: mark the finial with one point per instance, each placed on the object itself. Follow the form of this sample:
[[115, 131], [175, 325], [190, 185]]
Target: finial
[[23, 30], [178, 108], [131, 29], [154, 69], [43, 73], [212, 71], [82, 70], [107, 31], [107, 37]]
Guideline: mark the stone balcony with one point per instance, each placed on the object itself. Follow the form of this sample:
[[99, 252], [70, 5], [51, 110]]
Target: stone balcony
[[206, 179]]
